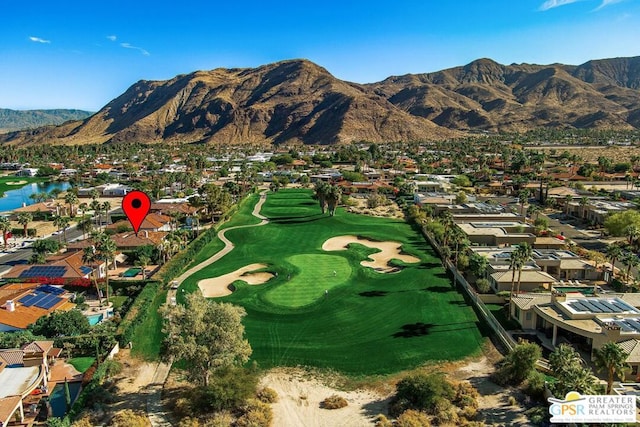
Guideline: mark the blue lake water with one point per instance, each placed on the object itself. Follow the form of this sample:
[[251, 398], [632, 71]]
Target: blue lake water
[[14, 199]]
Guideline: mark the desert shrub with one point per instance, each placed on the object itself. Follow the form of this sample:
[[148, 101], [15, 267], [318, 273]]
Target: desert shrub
[[83, 422], [267, 395], [113, 367], [519, 364], [422, 392], [383, 421], [447, 416], [375, 200], [466, 396], [129, 418], [219, 419], [483, 285], [538, 415], [512, 401], [535, 385], [189, 422], [469, 412], [334, 402], [413, 418], [182, 407], [229, 389], [255, 414]]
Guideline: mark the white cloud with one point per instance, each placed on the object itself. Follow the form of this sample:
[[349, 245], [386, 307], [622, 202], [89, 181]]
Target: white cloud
[[606, 3], [129, 46], [38, 40], [112, 38], [550, 4]]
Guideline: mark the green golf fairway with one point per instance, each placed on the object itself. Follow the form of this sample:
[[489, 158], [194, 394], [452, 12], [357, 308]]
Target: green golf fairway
[[369, 322], [316, 276]]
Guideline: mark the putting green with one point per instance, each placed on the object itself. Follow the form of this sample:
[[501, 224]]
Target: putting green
[[315, 276], [370, 322]]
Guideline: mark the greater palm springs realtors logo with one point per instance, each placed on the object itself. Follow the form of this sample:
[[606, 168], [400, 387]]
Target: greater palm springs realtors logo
[[576, 408]]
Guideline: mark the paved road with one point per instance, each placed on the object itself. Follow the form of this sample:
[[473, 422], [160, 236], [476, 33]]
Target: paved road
[[586, 238]]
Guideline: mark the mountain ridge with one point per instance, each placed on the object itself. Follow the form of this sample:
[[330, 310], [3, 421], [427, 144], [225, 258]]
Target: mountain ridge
[[14, 120], [300, 101]]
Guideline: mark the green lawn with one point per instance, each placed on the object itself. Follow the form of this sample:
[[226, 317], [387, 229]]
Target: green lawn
[[502, 316], [8, 182], [82, 363], [369, 322], [148, 335], [118, 300]]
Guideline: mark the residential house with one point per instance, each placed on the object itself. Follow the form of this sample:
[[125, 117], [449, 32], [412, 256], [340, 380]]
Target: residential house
[[24, 376], [22, 304], [66, 267]]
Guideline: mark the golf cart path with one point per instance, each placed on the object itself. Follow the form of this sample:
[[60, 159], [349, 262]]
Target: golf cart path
[[228, 246], [155, 411]]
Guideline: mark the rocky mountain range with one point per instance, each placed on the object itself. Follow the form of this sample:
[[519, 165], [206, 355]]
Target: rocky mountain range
[[299, 101], [12, 120]]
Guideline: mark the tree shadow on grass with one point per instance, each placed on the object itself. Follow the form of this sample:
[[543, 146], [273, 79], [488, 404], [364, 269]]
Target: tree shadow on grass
[[459, 303], [439, 289], [373, 294], [430, 265], [296, 219], [411, 330]]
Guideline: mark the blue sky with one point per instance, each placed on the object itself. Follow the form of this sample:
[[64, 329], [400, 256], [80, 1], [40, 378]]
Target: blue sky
[[71, 54]]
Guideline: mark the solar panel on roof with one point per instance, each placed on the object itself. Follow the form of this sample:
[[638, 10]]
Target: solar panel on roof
[[51, 289], [49, 302], [86, 270], [622, 305], [601, 306], [610, 306], [634, 323], [579, 306], [623, 325], [593, 308], [26, 301], [44, 271]]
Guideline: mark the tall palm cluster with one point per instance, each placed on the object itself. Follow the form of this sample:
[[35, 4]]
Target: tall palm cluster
[[517, 260], [103, 250], [616, 253], [328, 196]]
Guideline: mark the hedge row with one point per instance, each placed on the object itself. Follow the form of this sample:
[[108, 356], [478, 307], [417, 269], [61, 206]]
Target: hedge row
[[19, 232], [136, 313]]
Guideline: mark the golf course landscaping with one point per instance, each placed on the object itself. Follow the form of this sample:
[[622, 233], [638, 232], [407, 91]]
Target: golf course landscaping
[[375, 300]]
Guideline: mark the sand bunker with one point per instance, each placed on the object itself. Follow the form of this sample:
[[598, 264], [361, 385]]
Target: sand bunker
[[219, 286], [388, 251], [16, 182]]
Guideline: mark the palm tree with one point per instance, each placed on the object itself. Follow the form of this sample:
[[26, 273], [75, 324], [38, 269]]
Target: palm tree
[[90, 256], [105, 207], [24, 218], [567, 199], [632, 232], [142, 262], [62, 222], [514, 264], [614, 252], [524, 253], [95, 207], [523, 197], [563, 359], [321, 189], [106, 251], [613, 360], [71, 199], [533, 210], [584, 201], [334, 193], [5, 227], [631, 261]]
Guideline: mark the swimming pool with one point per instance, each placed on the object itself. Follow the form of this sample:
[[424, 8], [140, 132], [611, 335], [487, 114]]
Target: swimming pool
[[57, 399], [94, 319]]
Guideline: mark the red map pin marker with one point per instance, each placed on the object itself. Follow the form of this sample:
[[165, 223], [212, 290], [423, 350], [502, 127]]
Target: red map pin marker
[[136, 206]]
